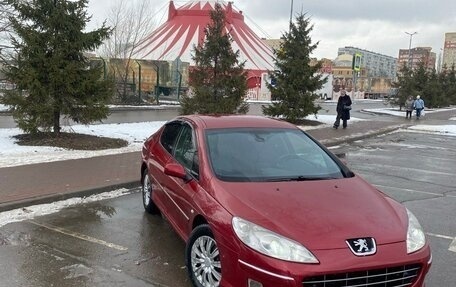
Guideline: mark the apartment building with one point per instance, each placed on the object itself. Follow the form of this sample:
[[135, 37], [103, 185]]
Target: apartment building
[[415, 56], [449, 50], [375, 64]]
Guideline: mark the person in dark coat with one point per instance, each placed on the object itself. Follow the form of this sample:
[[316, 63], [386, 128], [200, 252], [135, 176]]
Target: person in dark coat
[[343, 110], [409, 107]]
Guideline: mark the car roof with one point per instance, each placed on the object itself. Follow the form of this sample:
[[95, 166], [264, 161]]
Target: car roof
[[237, 121]]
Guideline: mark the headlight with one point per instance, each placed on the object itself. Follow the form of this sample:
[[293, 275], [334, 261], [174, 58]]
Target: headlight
[[270, 243], [415, 235]]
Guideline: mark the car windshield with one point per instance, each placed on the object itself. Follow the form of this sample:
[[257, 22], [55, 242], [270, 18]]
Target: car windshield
[[253, 154]]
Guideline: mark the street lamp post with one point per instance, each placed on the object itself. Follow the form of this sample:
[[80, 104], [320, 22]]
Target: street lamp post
[[140, 81], [410, 47], [134, 80], [440, 63], [179, 84], [157, 85], [291, 15]]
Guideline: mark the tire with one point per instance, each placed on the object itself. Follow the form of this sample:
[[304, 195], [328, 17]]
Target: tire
[[146, 191], [203, 258]]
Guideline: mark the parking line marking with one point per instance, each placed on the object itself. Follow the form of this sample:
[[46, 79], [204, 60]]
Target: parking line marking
[[79, 236], [411, 190], [440, 236], [452, 247]]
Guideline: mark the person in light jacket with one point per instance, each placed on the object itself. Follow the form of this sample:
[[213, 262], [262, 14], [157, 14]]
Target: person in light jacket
[[343, 110], [418, 105]]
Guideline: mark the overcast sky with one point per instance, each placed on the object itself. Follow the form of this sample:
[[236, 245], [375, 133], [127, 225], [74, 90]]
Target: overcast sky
[[378, 26]]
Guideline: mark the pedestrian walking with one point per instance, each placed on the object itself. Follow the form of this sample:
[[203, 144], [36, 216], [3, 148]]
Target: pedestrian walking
[[343, 110], [418, 105], [409, 107]]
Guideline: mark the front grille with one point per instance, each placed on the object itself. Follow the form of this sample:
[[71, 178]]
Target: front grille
[[401, 276]]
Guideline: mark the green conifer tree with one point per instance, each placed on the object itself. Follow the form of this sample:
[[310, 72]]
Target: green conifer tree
[[52, 75], [218, 80], [448, 82], [295, 82], [405, 86], [433, 93]]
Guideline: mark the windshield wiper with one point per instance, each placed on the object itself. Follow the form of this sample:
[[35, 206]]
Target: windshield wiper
[[296, 178]]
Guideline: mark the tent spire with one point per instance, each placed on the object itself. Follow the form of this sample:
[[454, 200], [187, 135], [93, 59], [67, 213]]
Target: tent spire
[[172, 10]]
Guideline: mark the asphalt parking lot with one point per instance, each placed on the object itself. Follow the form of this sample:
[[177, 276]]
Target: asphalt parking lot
[[416, 169], [114, 243]]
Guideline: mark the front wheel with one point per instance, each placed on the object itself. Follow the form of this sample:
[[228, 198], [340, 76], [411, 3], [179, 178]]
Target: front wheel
[[203, 258], [147, 190]]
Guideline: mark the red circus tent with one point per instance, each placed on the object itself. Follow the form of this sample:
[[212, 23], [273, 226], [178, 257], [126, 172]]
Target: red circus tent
[[176, 38]]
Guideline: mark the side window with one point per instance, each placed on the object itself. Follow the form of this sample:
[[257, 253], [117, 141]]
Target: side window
[[169, 136], [186, 152]]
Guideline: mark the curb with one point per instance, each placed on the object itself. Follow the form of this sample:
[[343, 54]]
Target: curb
[[356, 137], [7, 206]]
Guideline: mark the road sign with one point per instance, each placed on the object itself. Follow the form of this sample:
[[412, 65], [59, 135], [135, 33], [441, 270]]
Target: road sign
[[356, 63]]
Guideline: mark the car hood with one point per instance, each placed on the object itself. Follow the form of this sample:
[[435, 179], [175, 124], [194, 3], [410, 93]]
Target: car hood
[[318, 214]]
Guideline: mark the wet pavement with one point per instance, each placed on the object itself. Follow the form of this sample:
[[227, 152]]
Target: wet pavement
[[110, 243], [417, 170]]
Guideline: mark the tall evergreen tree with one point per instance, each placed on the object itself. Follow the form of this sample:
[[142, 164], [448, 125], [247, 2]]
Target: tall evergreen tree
[[405, 86], [420, 77], [51, 73], [448, 83], [437, 90], [295, 81], [433, 93], [218, 80]]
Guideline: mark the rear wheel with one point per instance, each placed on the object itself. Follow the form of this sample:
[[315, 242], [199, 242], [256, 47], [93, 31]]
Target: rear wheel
[[147, 191], [203, 258]]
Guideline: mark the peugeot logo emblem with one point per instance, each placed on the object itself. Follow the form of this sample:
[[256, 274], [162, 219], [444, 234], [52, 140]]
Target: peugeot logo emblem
[[362, 246]]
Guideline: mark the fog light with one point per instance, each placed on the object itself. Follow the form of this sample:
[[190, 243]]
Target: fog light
[[253, 283]]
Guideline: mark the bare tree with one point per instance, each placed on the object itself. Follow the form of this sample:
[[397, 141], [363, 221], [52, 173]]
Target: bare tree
[[6, 49], [5, 12], [131, 22]]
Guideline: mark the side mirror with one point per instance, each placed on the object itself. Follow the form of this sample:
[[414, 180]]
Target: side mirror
[[177, 170]]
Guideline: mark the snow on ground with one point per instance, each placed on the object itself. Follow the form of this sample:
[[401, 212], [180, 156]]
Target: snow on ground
[[31, 212], [397, 112], [436, 129], [443, 129], [12, 154]]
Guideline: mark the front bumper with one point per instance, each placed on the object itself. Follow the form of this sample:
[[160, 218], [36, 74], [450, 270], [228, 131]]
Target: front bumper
[[251, 266]]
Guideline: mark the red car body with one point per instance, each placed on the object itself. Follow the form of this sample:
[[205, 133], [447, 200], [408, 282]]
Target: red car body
[[319, 214]]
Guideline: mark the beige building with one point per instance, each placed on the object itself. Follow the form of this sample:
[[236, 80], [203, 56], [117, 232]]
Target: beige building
[[449, 50], [343, 77]]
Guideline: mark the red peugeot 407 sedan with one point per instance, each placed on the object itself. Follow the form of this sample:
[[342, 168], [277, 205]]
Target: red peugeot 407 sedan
[[261, 203]]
